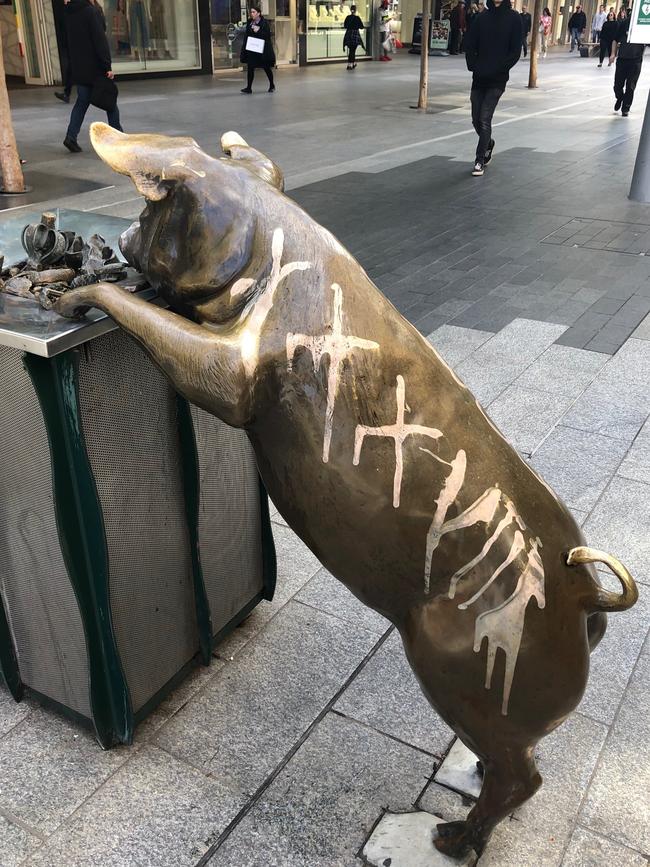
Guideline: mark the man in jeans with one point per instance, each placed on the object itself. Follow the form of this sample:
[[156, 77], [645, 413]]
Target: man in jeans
[[526, 25], [629, 57], [492, 47], [577, 26], [89, 59]]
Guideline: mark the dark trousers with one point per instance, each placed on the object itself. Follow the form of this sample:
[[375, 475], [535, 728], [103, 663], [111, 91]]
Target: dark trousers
[[454, 40], [484, 103], [80, 108], [352, 52], [605, 49], [625, 79], [524, 44], [251, 75]]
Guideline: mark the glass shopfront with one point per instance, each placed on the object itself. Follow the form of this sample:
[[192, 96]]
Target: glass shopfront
[[324, 28], [152, 35]]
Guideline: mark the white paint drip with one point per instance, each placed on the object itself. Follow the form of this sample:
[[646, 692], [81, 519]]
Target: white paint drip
[[397, 432], [255, 314], [338, 347], [503, 626]]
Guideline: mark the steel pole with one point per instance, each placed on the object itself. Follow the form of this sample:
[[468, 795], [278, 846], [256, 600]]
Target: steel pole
[[640, 189]]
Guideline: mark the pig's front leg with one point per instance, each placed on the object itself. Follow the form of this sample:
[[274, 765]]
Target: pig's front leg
[[204, 366]]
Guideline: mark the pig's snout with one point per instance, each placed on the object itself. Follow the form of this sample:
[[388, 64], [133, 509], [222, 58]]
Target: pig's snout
[[129, 244]]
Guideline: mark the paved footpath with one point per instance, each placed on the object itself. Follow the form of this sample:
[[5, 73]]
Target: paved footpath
[[533, 284]]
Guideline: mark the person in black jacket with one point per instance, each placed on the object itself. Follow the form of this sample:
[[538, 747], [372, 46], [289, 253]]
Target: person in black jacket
[[577, 26], [89, 58], [492, 47], [353, 26], [257, 28], [607, 36], [629, 57], [526, 24]]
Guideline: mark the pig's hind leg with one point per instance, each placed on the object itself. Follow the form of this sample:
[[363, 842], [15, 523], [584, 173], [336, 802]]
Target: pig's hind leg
[[511, 777]]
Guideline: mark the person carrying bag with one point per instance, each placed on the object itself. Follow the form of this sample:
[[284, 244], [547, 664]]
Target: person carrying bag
[[257, 50]]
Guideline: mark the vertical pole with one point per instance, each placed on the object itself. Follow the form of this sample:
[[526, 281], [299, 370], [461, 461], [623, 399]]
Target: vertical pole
[[534, 43], [640, 189], [424, 56], [11, 174]]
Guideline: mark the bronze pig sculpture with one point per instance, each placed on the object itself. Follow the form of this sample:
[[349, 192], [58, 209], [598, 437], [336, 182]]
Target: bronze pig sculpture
[[377, 456]]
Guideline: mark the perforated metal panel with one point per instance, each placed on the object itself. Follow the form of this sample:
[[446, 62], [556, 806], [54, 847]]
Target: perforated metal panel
[[230, 536], [41, 607], [129, 419]]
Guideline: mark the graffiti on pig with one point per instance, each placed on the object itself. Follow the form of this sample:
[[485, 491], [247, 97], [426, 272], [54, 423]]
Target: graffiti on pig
[[338, 347]]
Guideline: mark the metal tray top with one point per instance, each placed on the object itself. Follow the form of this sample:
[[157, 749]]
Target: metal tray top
[[23, 323]]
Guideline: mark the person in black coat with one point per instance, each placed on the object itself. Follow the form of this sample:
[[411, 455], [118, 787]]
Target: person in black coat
[[492, 47], [629, 57], [607, 36], [526, 25], [353, 26], [577, 26], [89, 59], [257, 27]]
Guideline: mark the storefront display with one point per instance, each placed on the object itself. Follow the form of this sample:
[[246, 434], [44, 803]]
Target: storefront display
[[324, 29]]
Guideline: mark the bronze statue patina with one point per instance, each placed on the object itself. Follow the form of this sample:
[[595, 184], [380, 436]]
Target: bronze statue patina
[[377, 456]]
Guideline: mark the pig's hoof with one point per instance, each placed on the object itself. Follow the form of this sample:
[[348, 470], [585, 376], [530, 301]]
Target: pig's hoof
[[71, 305], [453, 839]]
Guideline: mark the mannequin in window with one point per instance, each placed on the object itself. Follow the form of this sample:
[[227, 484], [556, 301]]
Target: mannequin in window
[[159, 30], [139, 27], [120, 28]]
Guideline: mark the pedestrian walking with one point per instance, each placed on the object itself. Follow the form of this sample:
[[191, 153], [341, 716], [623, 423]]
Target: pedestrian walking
[[64, 95], [353, 26], [629, 57], [526, 27], [456, 26], [257, 49], [597, 23], [383, 17], [577, 26], [607, 36], [545, 24], [492, 47], [89, 59]]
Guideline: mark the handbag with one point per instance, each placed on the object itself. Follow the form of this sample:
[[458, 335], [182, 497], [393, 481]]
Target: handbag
[[104, 93], [255, 45]]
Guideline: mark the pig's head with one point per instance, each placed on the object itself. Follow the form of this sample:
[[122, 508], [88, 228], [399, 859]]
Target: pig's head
[[198, 230]]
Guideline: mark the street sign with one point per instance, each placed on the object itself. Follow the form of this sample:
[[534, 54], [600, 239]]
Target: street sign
[[640, 24]]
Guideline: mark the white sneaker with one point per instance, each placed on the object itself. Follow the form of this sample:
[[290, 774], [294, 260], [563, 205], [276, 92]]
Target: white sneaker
[[478, 169]]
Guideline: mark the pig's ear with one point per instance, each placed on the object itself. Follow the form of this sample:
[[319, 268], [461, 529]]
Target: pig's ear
[[153, 162], [234, 146]]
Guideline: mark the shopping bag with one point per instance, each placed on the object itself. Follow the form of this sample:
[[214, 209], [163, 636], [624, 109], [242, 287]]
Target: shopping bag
[[255, 45]]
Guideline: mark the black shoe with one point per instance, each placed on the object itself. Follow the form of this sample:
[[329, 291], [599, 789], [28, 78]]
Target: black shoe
[[72, 145], [618, 104], [488, 152], [477, 171], [624, 113], [271, 89], [246, 90], [62, 96]]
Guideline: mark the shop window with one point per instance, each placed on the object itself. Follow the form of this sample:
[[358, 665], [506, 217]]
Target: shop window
[[325, 28]]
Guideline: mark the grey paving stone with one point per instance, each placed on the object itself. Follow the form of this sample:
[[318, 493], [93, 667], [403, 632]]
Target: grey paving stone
[[326, 593], [455, 344], [617, 803], [155, 810], [386, 696], [615, 657], [459, 771], [562, 370], [15, 843], [620, 524], [541, 828], [525, 416], [11, 712], [321, 808], [577, 464], [247, 718], [406, 840], [637, 461], [614, 410], [643, 330], [48, 767], [591, 850], [450, 805]]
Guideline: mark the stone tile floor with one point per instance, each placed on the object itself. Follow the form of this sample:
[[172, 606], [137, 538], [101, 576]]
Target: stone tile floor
[[309, 725]]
